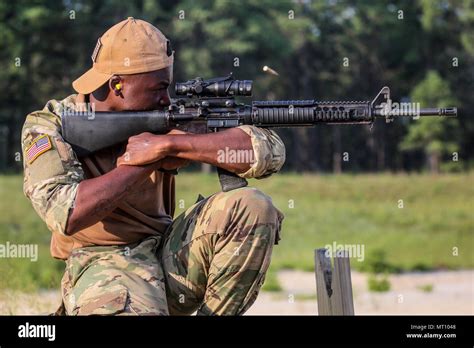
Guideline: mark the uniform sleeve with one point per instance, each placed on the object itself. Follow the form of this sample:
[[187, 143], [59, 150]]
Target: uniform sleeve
[[52, 171], [269, 152]]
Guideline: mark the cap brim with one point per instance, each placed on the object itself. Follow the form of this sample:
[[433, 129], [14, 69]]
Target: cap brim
[[90, 81]]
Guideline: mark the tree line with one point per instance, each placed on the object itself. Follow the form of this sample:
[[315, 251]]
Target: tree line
[[323, 50]]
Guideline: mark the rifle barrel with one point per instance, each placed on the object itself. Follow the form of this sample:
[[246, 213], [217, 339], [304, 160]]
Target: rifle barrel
[[446, 112], [449, 112]]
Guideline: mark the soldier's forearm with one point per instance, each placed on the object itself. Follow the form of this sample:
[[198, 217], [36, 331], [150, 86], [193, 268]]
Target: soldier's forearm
[[218, 149], [98, 197]]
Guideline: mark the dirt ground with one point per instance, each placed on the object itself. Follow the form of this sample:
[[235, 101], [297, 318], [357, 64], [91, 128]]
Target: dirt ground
[[443, 292], [452, 292]]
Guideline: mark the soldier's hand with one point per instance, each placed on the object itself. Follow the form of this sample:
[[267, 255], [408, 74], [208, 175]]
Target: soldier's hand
[[145, 148]]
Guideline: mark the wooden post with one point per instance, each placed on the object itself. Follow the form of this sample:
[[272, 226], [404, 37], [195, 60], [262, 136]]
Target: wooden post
[[333, 289]]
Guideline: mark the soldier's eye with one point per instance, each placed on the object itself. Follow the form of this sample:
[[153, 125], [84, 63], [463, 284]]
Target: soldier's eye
[[161, 88]]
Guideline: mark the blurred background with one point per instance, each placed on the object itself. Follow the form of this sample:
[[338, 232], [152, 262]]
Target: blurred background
[[340, 184]]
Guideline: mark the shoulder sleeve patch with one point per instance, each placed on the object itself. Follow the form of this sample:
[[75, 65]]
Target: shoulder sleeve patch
[[38, 146]]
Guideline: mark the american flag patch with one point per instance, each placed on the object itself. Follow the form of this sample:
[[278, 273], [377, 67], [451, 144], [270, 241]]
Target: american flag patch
[[39, 146]]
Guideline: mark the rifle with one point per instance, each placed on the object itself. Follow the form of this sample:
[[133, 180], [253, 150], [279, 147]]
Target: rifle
[[205, 106]]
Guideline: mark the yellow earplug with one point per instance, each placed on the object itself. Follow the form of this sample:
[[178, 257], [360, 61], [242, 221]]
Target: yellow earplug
[[118, 86]]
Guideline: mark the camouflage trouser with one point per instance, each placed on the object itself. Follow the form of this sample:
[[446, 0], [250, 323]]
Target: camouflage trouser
[[212, 259]]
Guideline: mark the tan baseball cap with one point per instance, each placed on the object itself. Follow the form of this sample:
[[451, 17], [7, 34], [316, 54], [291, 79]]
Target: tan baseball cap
[[130, 47]]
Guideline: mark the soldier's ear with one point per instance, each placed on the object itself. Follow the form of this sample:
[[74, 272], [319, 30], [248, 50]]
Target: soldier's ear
[[116, 85]]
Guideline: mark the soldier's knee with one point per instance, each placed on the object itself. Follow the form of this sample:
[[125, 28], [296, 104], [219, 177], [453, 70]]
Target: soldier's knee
[[242, 212], [260, 203], [254, 210], [255, 202]]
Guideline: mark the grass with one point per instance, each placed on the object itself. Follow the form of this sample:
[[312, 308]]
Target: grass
[[426, 287], [378, 283], [271, 282], [434, 229]]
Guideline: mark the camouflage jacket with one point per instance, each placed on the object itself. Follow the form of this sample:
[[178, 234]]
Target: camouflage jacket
[[52, 171]]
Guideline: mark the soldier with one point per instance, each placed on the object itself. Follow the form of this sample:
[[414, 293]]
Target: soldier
[[111, 213]]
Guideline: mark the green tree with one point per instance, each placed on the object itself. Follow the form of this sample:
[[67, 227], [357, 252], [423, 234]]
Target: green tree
[[436, 136], [46, 44]]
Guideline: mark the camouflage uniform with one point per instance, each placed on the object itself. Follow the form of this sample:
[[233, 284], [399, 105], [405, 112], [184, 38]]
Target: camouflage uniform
[[211, 259]]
